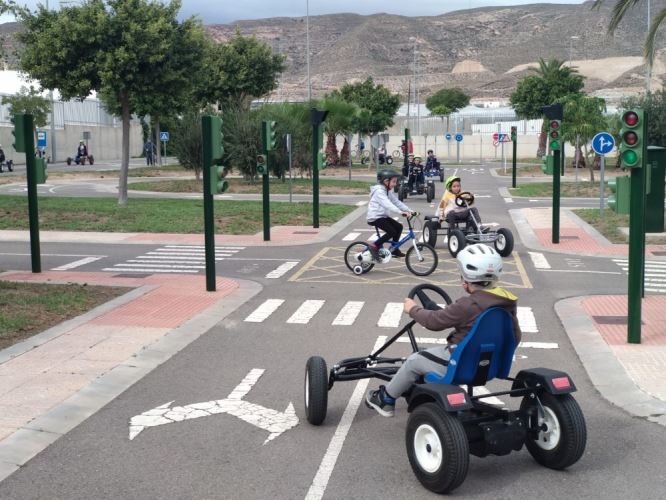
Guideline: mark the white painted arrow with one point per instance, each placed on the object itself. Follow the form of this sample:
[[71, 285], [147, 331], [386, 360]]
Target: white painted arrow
[[270, 420]]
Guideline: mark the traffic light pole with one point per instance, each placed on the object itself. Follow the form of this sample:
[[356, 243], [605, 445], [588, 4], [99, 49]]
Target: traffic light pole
[[316, 134], [514, 139], [33, 209], [636, 254], [265, 200], [209, 218], [556, 197]]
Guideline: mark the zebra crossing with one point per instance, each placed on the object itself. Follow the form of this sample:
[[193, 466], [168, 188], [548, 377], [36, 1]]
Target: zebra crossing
[[655, 274], [173, 259]]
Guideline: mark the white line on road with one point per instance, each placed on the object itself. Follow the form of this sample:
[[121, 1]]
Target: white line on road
[[147, 270], [361, 203], [351, 236], [160, 265], [264, 310], [348, 313], [282, 269], [539, 345], [390, 318], [526, 320], [508, 200], [76, 263], [539, 260], [306, 312]]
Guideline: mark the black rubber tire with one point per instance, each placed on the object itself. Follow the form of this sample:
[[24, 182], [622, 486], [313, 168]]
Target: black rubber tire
[[504, 242], [430, 232], [315, 390], [441, 176], [350, 253], [91, 159], [457, 242], [429, 193], [389, 160], [571, 438], [429, 263], [69, 161], [431, 431], [401, 193], [432, 191]]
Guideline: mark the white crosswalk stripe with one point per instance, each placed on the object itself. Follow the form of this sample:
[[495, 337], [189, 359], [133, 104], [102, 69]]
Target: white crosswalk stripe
[[306, 312], [655, 274], [348, 313]]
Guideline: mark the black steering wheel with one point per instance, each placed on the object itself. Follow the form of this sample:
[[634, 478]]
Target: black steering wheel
[[465, 199], [428, 303]]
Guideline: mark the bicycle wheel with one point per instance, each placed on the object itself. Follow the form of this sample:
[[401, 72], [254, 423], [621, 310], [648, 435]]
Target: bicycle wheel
[[426, 264], [358, 258], [397, 153], [365, 154]]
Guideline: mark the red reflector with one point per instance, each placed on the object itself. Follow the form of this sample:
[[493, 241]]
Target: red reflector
[[456, 399], [561, 383]]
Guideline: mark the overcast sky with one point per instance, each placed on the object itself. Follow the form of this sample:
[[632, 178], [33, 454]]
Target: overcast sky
[[224, 11]]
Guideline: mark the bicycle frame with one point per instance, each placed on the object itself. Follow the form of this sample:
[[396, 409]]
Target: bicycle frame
[[409, 236]]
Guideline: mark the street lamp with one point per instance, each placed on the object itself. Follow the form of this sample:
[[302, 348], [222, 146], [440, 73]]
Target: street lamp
[[307, 44], [415, 41], [648, 66], [571, 39]]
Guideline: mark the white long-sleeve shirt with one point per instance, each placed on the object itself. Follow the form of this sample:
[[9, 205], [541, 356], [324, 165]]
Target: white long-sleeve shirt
[[382, 202]]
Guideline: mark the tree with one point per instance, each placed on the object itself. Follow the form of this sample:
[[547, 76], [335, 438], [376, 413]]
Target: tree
[[447, 101], [112, 47], [340, 120], [620, 9], [376, 99], [29, 101], [552, 81], [583, 119], [187, 142], [240, 70]]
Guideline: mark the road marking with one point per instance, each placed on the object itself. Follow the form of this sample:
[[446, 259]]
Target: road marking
[[147, 270], [306, 312], [539, 260], [159, 265], [320, 481], [526, 320], [351, 236], [282, 269], [508, 200], [348, 313], [273, 421], [76, 263], [539, 345], [361, 203], [390, 318], [492, 400], [202, 247], [442, 341], [264, 310]]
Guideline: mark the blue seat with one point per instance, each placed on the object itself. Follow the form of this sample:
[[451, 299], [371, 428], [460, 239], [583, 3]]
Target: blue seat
[[485, 353]]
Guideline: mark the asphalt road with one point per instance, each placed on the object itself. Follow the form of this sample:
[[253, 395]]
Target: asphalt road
[[355, 453]]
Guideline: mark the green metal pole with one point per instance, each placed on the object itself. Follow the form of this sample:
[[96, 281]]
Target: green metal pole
[[513, 162], [266, 200], [209, 217], [33, 209], [556, 197], [316, 145], [406, 152], [636, 254]]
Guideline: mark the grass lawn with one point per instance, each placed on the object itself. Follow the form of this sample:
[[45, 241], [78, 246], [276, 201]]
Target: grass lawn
[[581, 189], [159, 216], [610, 224], [30, 308]]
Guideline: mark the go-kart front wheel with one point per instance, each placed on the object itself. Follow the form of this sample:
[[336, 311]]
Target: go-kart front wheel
[[562, 433], [423, 265], [437, 448], [504, 242], [316, 390], [430, 232], [457, 242]]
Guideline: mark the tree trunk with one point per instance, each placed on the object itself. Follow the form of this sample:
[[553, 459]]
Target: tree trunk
[[124, 162], [331, 151], [541, 150], [590, 164], [344, 153], [158, 148]]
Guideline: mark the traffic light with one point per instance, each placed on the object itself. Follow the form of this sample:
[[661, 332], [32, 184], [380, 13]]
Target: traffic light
[[40, 171], [633, 131], [555, 134], [212, 139], [269, 135], [321, 160], [514, 134], [218, 184], [19, 132], [262, 166]]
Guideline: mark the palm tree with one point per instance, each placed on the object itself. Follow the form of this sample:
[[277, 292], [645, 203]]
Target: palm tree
[[584, 117], [620, 9], [340, 120]]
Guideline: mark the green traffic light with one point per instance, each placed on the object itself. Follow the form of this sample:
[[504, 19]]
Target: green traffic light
[[630, 158], [555, 145]]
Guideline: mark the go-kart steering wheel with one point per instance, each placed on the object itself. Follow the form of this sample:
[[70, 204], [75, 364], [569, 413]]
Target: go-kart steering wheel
[[465, 199], [427, 302]]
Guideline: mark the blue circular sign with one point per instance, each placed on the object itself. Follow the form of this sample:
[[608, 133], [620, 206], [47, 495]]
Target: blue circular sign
[[459, 137], [448, 137], [603, 143]]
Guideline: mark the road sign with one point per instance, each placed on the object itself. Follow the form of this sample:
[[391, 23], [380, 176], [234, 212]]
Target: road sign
[[603, 143], [164, 136], [448, 137], [499, 138], [459, 137], [41, 139]]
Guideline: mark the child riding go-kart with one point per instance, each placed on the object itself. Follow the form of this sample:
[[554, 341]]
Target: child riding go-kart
[[416, 183], [81, 155], [446, 423], [463, 226]]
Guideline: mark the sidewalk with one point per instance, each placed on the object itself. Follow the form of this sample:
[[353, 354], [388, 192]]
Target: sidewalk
[[55, 380]]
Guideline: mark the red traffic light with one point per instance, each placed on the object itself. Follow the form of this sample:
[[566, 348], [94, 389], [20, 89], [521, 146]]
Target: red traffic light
[[630, 118], [630, 138], [554, 124]]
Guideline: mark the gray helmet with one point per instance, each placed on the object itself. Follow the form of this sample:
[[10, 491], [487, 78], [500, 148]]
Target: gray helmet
[[386, 175]]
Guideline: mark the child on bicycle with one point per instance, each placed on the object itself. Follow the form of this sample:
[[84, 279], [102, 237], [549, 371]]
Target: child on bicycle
[[452, 213], [480, 268], [382, 202]]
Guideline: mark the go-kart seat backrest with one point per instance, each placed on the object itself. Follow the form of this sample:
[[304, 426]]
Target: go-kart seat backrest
[[486, 351]]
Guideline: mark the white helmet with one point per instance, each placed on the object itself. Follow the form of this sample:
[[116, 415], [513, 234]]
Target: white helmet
[[479, 263]]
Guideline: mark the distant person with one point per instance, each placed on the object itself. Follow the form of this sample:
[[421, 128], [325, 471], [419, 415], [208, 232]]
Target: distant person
[[2, 158], [150, 152], [81, 151]]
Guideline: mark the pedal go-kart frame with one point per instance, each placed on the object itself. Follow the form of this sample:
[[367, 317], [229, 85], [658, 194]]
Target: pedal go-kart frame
[[426, 187], [457, 238], [447, 424]]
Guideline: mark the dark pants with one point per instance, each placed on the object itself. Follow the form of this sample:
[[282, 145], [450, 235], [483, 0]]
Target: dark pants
[[391, 227], [456, 216]]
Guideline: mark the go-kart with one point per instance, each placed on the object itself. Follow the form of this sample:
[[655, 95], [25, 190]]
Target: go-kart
[[420, 185], [446, 423], [462, 233], [81, 160], [435, 171]]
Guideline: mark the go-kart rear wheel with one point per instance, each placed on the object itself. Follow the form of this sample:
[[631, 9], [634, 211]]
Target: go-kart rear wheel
[[426, 264], [316, 390], [504, 242], [430, 232], [431, 192], [563, 441], [437, 448], [457, 242], [402, 192], [69, 160], [357, 256], [91, 159]]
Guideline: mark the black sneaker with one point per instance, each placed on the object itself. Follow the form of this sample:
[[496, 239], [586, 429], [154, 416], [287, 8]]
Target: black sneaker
[[375, 399], [397, 253]]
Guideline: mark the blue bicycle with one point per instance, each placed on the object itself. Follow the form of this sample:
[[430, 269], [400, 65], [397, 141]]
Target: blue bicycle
[[421, 259]]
